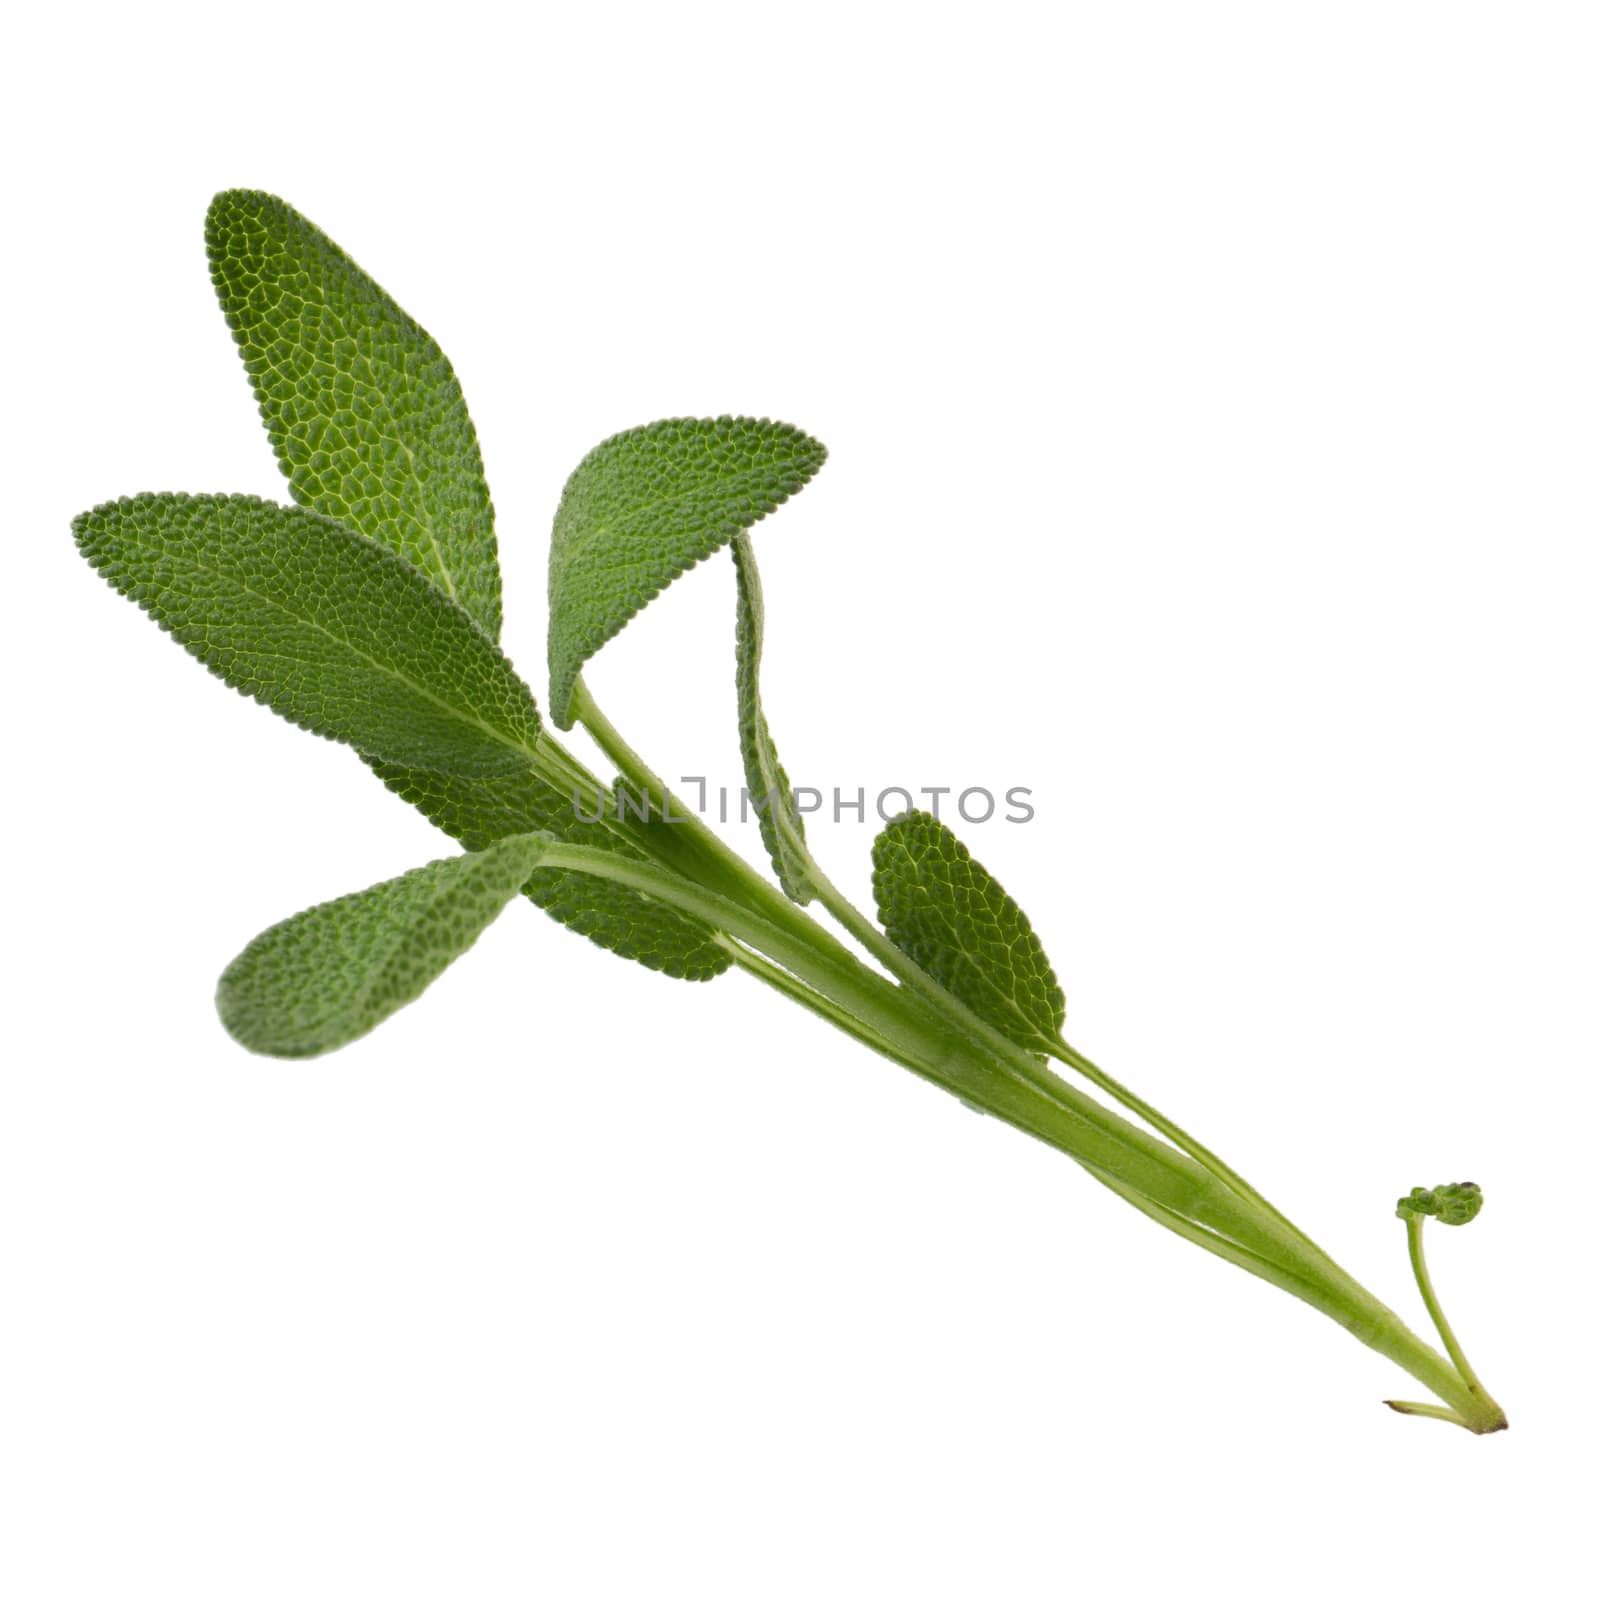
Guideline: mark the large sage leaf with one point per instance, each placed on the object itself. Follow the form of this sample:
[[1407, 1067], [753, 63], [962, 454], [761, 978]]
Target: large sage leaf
[[363, 409], [326, 627]]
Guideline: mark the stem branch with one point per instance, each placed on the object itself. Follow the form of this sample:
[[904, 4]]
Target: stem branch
[[920, 1025], [1430, 1299]]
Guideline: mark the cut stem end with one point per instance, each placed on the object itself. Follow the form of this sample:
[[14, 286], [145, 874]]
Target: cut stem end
[[1493, 1421]]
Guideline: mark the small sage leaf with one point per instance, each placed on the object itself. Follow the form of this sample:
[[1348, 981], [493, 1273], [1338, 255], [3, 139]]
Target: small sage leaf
[[333, 973], [946, 912]]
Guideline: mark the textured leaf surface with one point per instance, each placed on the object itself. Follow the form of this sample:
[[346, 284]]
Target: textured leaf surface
[[335, 972], [326, 627], [947, 913], [617, 918], [643, 508], [765, 778], [362, 407]]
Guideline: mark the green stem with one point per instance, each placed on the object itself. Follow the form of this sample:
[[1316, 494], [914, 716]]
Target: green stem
[[1072, 1121], [1191, 1146], [1208, 1239], [691, 842], [1430, 1299], [936, 996], [785, 983], [890, 956], [1275, 1249], [776, 977], [592, 800], [925, 1029], [1268, 1264], [1163, 1182]]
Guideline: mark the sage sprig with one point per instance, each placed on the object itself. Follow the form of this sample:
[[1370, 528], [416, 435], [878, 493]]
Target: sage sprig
[[369, 612]]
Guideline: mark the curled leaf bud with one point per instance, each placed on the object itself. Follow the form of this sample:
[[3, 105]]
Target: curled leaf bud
[[1452, 1203]]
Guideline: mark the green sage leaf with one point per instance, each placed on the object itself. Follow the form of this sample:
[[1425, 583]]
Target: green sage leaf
[[326, 627], [363, 409], [946, 912], [482, 811], [770, 793], [333, 973], [643, 508]]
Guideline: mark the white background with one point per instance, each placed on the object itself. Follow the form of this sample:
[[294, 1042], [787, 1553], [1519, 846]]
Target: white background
[[1212, 396]]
